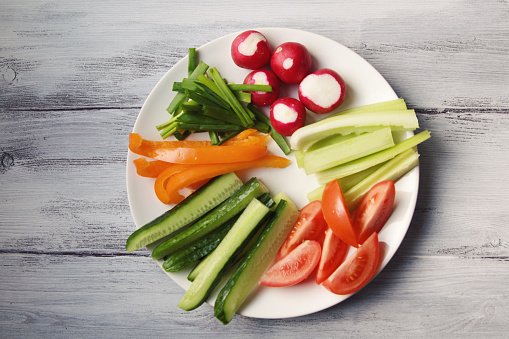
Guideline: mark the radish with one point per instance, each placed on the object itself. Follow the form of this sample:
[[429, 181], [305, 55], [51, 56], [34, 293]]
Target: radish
[[322, 91], [263, 77], [291, 62], [250, 50], [287, 115]]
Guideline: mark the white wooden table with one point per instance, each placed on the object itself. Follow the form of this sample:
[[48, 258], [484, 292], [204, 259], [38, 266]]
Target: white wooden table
[[73, 77]]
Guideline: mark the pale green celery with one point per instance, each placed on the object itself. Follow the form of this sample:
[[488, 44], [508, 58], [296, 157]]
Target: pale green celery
[[347, 150], [345, 183], [391, 170], [331, 140], [299, 158], [402, 120], [372, 159], [390, 105]]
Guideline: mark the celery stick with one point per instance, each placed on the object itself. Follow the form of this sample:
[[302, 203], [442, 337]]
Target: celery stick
[[299, 158], [372, 159], [401, 120], [345, 182], [331, 140], [347, 150], [390, 105], [391, 170]]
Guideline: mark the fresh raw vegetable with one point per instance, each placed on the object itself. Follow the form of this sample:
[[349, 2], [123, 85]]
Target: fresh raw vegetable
[[322, 91], [291, 62], [251, 50], [278, 138], [389, 105], [360, 122], [150, 169], [336, 213], [374, 210], [371, 160], [310, 225], [185, 213], [287, 115], [263, 77], [216, 218], [295, 267], [347, 150], [161, 181], [200, 250], [357, 270], [197, 173], [210, 154], [190, 254], [223, 257], [391, 170], [334, 251], [256, 261]]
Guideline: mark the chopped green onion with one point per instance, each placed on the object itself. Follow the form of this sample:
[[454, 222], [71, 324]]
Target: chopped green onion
[[278, 138]]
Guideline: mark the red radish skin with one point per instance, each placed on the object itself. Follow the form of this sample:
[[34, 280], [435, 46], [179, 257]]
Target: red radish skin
[[250, 50], [322, 91], [287, 115], [263, 77], [291, 62]]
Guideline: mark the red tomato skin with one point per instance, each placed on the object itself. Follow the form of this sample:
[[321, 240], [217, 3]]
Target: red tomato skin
[[336, 213], [295, 267], [334, 251], [374, 210], [357, 270], [309, 226]]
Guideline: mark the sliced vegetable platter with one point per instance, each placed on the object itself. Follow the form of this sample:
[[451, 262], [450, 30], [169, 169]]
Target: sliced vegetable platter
[[365, 86]]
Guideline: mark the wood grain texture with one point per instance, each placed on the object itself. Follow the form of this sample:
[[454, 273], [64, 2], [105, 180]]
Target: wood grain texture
[[73, 77]]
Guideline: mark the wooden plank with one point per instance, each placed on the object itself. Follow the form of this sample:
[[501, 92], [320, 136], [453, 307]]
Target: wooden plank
[[75, 55], [93, 296], [74, 170]]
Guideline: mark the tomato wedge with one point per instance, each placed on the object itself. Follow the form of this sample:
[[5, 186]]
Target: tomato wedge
[[309, 226], [295, 267], [336, 214], [334, 251], [374, 210], [357, 270]]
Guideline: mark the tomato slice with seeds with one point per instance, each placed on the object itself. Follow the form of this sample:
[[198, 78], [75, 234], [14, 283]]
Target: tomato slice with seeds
[[309, 226], [295, 267], [336, 213], [334, 251], [374, 210], [357, 270]]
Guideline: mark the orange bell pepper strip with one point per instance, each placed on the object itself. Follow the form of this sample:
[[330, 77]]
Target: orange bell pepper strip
[[162, 179], [196, 173], [198, 184], [258, 139], [209, 154], [141, 146], [150, 169]]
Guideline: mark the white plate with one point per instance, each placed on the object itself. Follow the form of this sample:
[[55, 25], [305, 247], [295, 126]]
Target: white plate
[[364, 86]]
